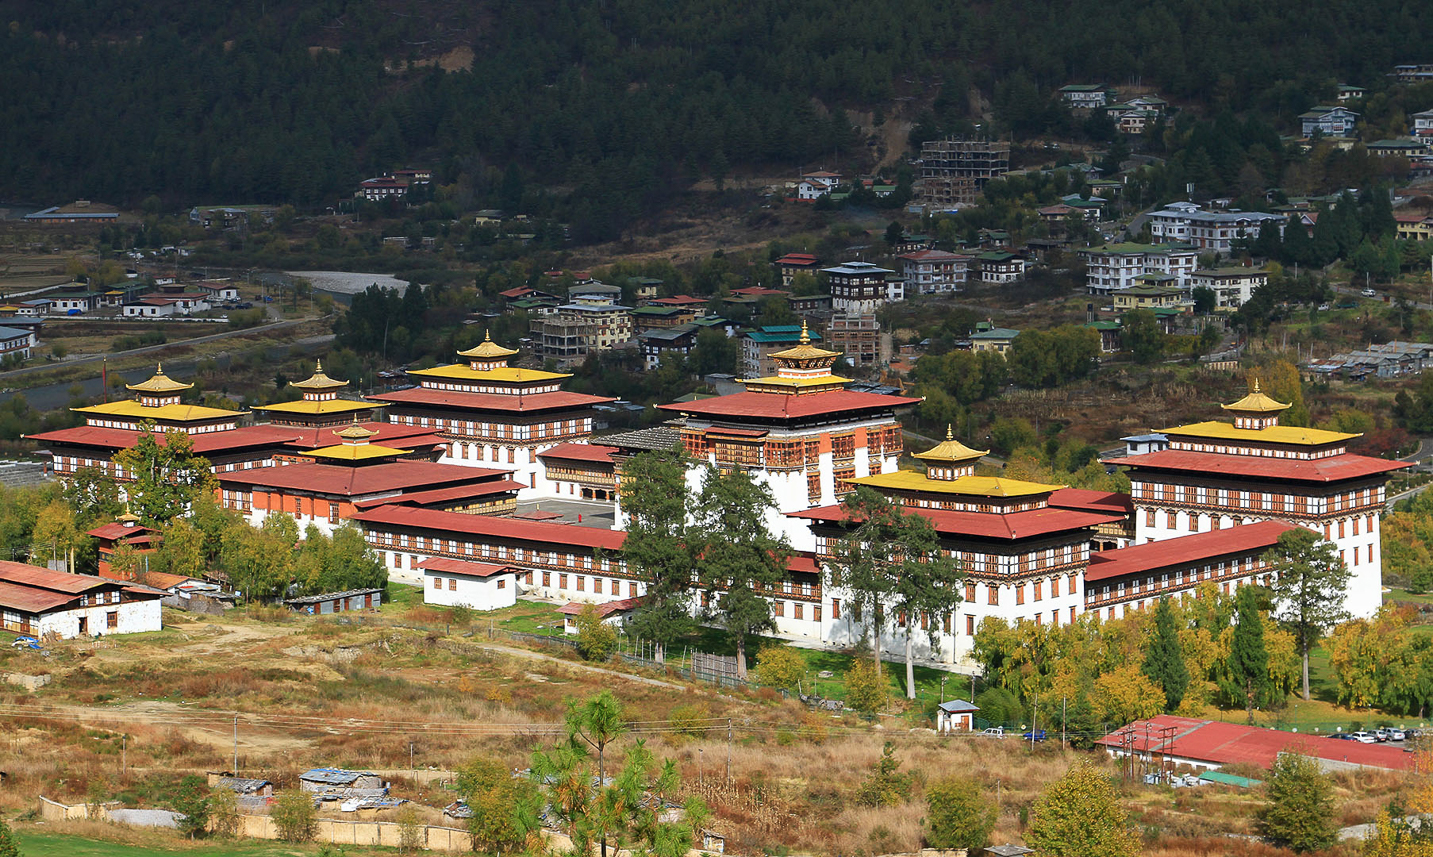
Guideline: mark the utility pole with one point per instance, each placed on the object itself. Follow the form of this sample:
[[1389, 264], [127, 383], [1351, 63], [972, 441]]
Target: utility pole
[[728, 750], [123, 754], [1064, 726], [236, 745], [1034, 721], [412, 771]]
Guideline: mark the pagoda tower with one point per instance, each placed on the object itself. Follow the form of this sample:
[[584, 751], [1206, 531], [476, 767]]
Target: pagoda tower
[[492, 414], [1217, 475], [320, 405], [800, 431]]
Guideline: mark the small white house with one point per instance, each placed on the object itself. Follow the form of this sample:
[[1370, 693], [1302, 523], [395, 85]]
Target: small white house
[[614, 613], [42, 602], [955, 716], [475, 585], [218, 291]]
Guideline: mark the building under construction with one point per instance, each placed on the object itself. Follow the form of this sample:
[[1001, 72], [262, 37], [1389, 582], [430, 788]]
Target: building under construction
[[955, 171]]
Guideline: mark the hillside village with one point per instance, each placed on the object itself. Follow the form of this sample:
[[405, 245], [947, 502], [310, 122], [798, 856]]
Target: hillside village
[[1057, 456]]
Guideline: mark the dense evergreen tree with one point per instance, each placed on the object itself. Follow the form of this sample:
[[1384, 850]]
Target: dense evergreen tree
[[1164, 659]]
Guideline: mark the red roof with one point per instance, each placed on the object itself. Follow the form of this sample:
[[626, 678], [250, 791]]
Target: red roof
[[580, 452], [503, 528], [458, 566], [679, 300], [389, 434], [347, 481], [605, 609], [933, 256], [803, 562], [443, 495], [1333, 469], [758, 291], [519, 291], [1186, 550], [781, 406], [992, 525], [525, 403], [1111, 502], [1221, 743], [27, 599], [24, 574], [802, 260], [205, 443], [116, 530]]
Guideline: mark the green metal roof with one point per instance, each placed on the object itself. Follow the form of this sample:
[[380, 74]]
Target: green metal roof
[[1229, 779]]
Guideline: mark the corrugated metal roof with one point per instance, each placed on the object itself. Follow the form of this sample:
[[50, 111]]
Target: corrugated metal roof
[[334, 776]]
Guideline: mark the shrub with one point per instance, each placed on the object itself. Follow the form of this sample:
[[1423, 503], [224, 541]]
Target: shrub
[[781, 667], [1299, 811], [885, 786], [224, 812], [295, 816], [958, 815], [193, 803], [865, 687], [596, 639]]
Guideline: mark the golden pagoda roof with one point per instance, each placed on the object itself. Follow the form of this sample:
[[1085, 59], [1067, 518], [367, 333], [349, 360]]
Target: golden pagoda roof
[[1297, 435], [487, 350], [508, 374], [319, 381], [951, 450], [159, 383], [170, 413], [804, 350], [355, 452], [311, 408], [1256, 403], [356, 432], [975, 486]]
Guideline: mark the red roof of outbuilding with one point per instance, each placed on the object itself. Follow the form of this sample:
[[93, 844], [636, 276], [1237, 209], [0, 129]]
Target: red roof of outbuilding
[[1186, 550], [991, 525], [1231, 743], [442, 495], [605, 609], [525, 403], [798, 260], [580, 452], [933, 256], [1332, 469], [780, 406], [458, 566], [24, 574], [482, 525], [116, 530], [388, 434], [679, 300]]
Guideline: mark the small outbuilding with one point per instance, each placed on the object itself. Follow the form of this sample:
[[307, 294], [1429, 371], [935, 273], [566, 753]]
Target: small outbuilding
[[336, 602], [475, 585], [612, 612], [338, 780], [955, 716]]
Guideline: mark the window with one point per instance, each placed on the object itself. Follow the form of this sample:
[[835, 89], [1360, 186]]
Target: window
[[111, 619], [969, 625], [512, 455], [597, 585], [796, 611], [1149, 518], [562, 581], [502, 584], [1055, 587], [813, 487], [547, 578], [992, 594], [581, 583], [452, 584], [780, 609], [1036, 588], [1020, 593], [816, 613], [437, 583], [835, 608], [843, 486], [1171, 520], [969, 592], [333, 513]]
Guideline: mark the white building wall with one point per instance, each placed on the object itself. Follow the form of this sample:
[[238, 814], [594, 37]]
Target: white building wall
[[133, 617], [446, 589]]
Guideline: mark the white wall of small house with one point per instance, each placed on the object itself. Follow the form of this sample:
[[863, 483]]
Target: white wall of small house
[[447, 589], [132, 617]]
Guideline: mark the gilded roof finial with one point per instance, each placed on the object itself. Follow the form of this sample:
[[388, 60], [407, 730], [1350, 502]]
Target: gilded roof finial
[[1256, 384], [805, 335], [949, 435], [318, 366]]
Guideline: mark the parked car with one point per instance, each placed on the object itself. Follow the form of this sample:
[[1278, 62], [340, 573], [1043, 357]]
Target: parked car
[[1034, 735], [1341, 736], [1381, 735], [1323, 307], [1365, 737], [1369, 293], [1395, 734], [994, 732]]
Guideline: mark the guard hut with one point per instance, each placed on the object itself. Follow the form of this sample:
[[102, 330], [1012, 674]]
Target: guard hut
[[955, 716]]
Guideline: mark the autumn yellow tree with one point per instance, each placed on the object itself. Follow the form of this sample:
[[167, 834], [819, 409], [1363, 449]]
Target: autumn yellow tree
[[1126, 694], [1079, 816]]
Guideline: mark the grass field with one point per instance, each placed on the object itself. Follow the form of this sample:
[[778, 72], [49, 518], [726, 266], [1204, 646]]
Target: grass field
[[141, 844]]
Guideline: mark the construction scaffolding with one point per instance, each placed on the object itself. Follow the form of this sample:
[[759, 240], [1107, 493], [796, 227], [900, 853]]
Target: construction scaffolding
[[955, 171]]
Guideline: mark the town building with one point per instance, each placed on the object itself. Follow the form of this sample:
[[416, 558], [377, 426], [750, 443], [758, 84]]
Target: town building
[[493, 414], [1232, 286], [657, 342], [340, 480], [1328, 122], [931, 272], [861, 288], [1148, 293], [614, 613], [1023, 558], [859, 340], [584, 471], [1000, 267], [1113, 267], [817, 184], [800, 431], [796, 263], [1219, 476], [157, 408], [579, 329], [40, 602], [79, 211], [661, 317], [125, 530], [1350, 93], [1414, 227], [328, 603], [955, 171], [997, 339], [1086, 95], [17, 342], [381, 188], [1422, 123]]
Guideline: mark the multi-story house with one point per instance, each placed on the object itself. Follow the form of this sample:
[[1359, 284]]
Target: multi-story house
[[1088, 95], [1218, 476], [1328, 121], [1171, 223], [796, 263], [1218, 230], [1422, 123], [858, 338], [1232, 286], [1000, 267], [931, 272], [861, 288], [1114, 267], [818, 184]]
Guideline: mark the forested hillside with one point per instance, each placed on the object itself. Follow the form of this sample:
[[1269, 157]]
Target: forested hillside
[[618, 100]]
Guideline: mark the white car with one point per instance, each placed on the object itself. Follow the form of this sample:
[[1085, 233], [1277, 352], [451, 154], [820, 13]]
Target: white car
[[1369, 293], [1365, 738]]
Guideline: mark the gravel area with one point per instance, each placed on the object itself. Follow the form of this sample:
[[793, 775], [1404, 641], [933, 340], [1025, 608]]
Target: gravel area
[[347, 282], [146, 817]]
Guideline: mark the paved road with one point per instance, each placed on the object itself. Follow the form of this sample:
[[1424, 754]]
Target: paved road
[[148, 349]]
